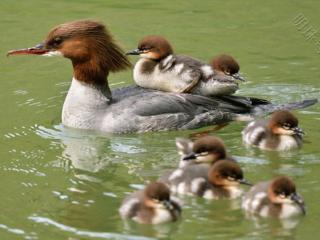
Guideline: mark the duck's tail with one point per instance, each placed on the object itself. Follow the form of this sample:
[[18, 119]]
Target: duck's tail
[[265, 108], [272, 107]]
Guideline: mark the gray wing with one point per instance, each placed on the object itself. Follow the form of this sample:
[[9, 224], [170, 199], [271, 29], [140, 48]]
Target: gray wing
[[189, 61], [161, 103], [186, 174], [140, 110], [130, 205], [255, 132], [137, 109], [190, 71], [256, 196]]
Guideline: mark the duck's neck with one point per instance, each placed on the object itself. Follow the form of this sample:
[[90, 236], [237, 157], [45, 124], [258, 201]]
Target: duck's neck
[[92, 73], [85, 105]]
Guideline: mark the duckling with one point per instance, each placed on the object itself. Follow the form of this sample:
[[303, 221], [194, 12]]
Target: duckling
[[159, 68], [152, 205], [276, 198], [221, 181], [206, 150], [227, 65], [281, 132]]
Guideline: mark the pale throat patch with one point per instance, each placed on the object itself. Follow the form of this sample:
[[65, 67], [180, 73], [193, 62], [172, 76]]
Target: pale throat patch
[[53, 54]]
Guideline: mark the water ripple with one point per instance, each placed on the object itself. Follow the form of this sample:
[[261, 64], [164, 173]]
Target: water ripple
[[12, 230], [104, 235], [282, 92]]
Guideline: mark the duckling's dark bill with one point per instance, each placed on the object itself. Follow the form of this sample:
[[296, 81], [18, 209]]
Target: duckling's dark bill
[[245, 182], [299, 201], [239, 77], [134, 52]]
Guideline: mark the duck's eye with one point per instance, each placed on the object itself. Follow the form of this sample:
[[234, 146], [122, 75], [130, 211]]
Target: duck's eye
[[57, 41]]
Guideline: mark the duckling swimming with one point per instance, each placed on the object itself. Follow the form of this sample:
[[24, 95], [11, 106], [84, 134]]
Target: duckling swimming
[[280, 132]]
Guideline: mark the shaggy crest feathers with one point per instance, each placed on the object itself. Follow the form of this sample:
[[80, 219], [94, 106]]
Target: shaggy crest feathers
[[98, 58], [223, 169], [156, 44], [283, 185], [281, 118], [210, 144], [157, 190], [226, 64]]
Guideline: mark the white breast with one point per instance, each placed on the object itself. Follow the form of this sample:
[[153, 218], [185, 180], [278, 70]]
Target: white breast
[[83, 106], [235, 192], [287, 142], [161, 216], [289, 210], [208, 194]]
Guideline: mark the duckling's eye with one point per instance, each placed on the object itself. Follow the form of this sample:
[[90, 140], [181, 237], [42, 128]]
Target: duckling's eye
[[286, 126], [144, 49], [203, 153], [231, 178]]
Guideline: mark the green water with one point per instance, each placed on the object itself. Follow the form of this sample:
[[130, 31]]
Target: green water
[[63, 184]]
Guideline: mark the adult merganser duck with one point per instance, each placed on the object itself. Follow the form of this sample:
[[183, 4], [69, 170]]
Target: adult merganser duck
[[276, 198], [90, 104], [160, 69], [152, 205], [222, 180], [281, 132], [205, 150]]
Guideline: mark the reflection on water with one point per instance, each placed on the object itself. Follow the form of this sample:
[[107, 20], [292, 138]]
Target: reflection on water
[[90, 200], [274, 227], [104, 168], [90, 152], [76, 232], [157, 231]]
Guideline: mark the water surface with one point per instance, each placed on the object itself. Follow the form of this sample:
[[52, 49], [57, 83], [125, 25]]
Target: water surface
[[58, 183]]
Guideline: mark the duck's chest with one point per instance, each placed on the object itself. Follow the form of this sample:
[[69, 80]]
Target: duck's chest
[[161, 215], [219, 193], [288, 142]]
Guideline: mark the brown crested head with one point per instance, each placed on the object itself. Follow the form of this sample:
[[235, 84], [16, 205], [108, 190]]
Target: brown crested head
[[284, 122], [157, 191], [281, 188], [226, 173], [154, 47], [88, 44], [226, 64], [210, 145]]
